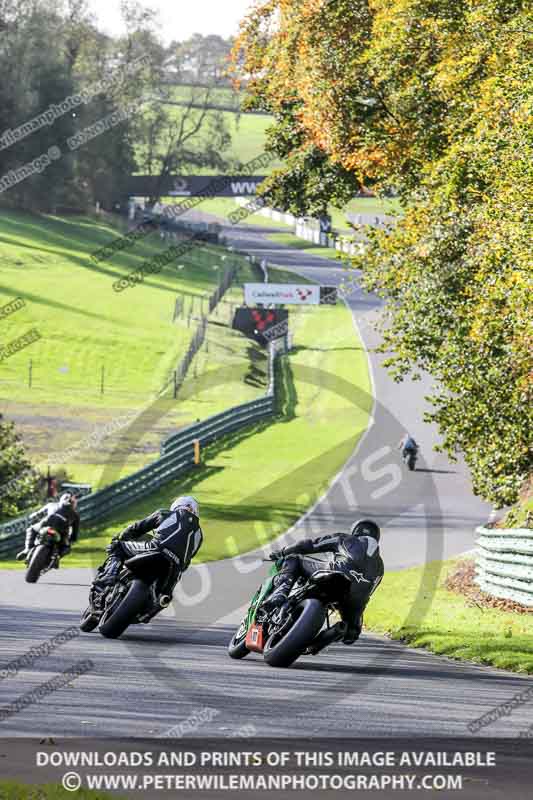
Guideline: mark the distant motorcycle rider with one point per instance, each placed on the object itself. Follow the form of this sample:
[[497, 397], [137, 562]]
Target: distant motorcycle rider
[[177, 535], [62, 516], [408, 445], [356, 553]]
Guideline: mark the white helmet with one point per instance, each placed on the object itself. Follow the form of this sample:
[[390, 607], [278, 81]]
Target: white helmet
[[66, 499], [188, 502]]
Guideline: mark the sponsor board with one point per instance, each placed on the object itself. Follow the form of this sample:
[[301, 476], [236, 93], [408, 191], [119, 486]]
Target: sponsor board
[[281, 294], [194, 185]]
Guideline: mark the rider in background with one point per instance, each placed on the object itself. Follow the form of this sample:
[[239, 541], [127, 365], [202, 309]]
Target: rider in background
[[62, 516], [407, 445], [356, 553]]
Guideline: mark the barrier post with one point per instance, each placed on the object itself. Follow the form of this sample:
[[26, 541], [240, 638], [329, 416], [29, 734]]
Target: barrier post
[[196, 444]]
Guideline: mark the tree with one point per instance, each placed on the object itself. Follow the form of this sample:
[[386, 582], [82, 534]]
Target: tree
[[183, 129], [434, 98], [18, 480]]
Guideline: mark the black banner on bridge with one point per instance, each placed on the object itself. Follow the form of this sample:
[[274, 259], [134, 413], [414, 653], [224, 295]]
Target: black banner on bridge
[[194, 185]]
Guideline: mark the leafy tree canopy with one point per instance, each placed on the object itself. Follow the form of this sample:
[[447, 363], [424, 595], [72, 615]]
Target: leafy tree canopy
[[18, 481], [434, 98]]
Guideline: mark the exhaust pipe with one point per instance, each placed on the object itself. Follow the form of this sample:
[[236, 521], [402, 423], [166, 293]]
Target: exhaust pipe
[[165, 600]]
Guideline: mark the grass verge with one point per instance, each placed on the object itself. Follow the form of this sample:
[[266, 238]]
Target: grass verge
[[104, 354], [414, 606]]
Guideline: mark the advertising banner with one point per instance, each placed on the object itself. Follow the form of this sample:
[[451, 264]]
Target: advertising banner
[[261, 324], [281, 294]]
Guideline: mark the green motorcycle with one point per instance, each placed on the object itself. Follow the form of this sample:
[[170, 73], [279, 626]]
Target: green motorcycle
[[300, 627]]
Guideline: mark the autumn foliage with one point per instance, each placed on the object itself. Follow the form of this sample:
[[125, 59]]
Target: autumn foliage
[[432, 98]]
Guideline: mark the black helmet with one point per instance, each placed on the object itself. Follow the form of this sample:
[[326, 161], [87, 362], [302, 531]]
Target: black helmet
[[366, 527]]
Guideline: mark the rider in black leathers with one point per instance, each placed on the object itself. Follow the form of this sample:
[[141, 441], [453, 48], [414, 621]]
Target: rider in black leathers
[[408, 445], [177, 534], [62, 515], [356, 552]]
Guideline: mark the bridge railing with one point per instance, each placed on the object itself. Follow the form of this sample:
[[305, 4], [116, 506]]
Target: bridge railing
[[504, 563]]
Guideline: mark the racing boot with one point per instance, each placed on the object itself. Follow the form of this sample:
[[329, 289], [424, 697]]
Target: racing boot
[[279, 596], [110, 573], [28, 545], [353, 631]]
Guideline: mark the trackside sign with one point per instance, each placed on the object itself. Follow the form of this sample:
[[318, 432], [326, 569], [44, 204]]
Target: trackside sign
[[281, 293]]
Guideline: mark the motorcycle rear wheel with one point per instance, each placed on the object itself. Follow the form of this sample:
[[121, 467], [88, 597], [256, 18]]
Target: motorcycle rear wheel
[[284, 652], [135, 600], [40, 560]]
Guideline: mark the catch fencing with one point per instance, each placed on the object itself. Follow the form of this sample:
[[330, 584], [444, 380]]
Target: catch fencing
[[200, 333], [177, 457], [504, 563]]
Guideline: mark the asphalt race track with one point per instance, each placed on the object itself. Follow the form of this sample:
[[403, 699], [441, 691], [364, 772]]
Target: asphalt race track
[[156, 676]]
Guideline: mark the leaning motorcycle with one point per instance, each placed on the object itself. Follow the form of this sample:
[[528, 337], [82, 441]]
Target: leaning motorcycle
[[135, 597], [44, 555], [302, 626]]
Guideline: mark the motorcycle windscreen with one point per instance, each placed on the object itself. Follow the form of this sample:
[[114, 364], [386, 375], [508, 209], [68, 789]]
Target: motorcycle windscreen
[[148, 566]]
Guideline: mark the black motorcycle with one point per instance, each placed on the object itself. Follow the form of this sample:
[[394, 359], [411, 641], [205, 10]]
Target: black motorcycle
[[44, 555], [135, 597], [303, 626]]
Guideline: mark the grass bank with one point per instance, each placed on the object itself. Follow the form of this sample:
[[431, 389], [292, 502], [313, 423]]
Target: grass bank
[[414, 606], [104, 354], [89, 332]]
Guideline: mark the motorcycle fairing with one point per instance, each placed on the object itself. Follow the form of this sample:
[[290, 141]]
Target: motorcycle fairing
[[148, 566]]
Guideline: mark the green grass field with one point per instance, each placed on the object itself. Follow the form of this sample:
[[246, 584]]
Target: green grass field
[[247, 499], [84, 324], [86, 327], [413, 605]]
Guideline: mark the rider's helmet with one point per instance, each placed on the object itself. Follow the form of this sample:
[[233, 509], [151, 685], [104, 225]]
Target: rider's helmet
[[187, 502], [366, 527], [67, 499]]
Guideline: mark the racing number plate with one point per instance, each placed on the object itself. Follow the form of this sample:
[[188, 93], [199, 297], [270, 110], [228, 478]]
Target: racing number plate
[[254, 639]]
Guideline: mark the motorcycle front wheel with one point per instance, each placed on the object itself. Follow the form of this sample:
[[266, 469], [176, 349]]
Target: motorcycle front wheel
[[40, 560], [115, 622], [237, 648], [283, 652]]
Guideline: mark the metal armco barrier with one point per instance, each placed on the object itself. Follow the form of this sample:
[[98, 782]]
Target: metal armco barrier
[[504, 563], [177, 456]]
